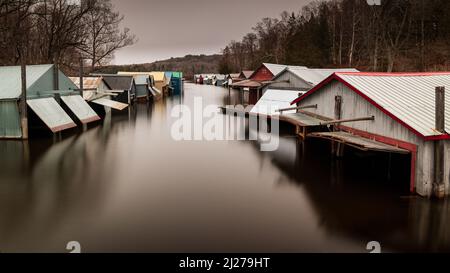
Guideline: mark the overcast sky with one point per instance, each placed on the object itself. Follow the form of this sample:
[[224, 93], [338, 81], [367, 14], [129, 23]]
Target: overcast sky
[[175, 28]]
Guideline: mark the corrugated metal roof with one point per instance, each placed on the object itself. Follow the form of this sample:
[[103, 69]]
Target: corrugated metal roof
[[407, 98], [315, 76], [51, 114], [275, 69], [274, 100], [88, 82], [110, 103], [10, 79], [80, 108]]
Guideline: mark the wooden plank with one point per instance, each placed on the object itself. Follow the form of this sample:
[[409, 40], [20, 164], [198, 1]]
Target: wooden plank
[[359, 142]]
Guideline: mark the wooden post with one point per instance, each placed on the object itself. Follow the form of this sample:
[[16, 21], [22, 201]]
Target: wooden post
[[338, 108], [23, 101], [336, 148], [55, 76], [439, 160], [81, 77]]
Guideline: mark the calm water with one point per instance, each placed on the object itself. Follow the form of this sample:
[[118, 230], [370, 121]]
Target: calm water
[[126, 186]]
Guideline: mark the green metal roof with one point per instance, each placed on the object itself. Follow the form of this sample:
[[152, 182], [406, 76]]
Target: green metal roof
[[178, 75], [39, 78], [10, 79]]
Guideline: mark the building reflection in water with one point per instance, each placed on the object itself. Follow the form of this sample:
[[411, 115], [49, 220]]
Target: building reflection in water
[[360, 208]]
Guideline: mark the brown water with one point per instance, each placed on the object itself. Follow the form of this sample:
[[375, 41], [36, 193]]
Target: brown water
[[126, 186]]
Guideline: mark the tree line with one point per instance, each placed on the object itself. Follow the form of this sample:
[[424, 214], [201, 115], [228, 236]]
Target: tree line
[[399, 35], [60, 32]]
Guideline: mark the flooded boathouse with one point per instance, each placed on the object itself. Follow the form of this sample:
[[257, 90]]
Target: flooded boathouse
[[54, 101], [387, 112]]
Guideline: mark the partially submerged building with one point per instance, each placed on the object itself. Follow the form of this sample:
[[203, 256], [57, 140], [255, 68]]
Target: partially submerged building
[[126, 85], [385, 112], [46, 95], [258, 80], [160, 81], [148, 84], [220, 80], [92, 86], [176, 83], [97, 90], [234, 78]]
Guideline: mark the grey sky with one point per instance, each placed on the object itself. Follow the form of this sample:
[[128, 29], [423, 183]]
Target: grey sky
[[175, 28]]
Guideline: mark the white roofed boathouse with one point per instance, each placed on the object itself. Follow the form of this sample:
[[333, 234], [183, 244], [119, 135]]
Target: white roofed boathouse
[[388, 112]]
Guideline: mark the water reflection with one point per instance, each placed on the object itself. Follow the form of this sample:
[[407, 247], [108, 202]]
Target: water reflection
[[126, 186]]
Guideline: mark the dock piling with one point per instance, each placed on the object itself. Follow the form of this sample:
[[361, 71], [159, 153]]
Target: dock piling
[[23, 101], [336, 149], [439, 162], [81, 78]]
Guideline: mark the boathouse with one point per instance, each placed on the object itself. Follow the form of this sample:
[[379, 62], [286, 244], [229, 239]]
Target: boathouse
[[233, 78], [220, 80], [302, 79], [48, 90], [101, 95], [160, 82], [259, 79], [92, 86], [143, 84], [124, 84], [155, 82], [385, 112], [176, 82]]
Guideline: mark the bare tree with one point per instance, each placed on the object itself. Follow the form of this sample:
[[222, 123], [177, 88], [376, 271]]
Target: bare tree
[[104, 35]]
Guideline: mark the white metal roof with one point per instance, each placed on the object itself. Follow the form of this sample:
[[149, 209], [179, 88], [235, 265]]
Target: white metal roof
[[408, 97], [276, 69], [10, 79], [111, 104], [274, 100], [52, 114], [315, 76], [80, 108]]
